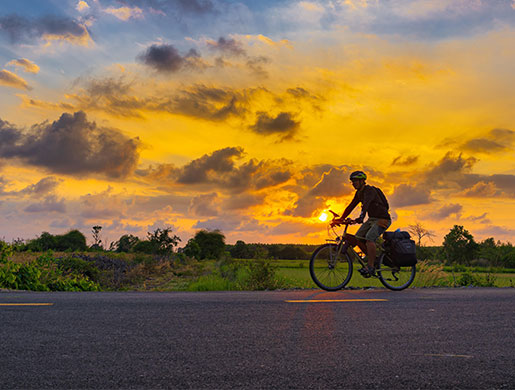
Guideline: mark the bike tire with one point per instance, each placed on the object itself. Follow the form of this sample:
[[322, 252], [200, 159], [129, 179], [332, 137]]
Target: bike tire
[[330, 271], [395, 280]]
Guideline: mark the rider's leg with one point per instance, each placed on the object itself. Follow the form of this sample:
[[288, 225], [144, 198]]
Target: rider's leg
[[363, 246], [371, 253]]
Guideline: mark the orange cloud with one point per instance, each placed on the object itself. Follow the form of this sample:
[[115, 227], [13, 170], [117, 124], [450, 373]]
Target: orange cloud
[[9, 79], [25, 64]]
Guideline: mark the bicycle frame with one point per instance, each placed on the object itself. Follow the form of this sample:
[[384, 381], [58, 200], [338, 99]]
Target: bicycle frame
[[344, 238]]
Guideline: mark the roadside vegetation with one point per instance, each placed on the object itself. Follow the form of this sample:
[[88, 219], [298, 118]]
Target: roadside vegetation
[[205, 263]]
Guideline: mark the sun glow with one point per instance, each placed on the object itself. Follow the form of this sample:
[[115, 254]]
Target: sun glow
[[324, 216]]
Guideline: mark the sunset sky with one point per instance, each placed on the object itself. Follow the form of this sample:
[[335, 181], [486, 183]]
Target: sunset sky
[[248, 116]]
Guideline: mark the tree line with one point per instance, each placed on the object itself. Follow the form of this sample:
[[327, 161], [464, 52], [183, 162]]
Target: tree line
[[458, 247]]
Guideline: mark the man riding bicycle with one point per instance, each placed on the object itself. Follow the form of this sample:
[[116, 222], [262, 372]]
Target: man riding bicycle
[[375, 204]]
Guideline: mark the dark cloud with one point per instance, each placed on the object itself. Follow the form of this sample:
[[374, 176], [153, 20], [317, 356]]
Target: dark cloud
[[219, 162], [71, 145], [49, 204], [177, 7], [20, 29], [283, 124], [231, 222], [207, 103], [243, 201], [497, 231], [497, 140], [450, 168], [305, 206], [204, 205], [446, 211], [410, 195], [257, 65], [166, 58], [300, 92], [332, 182], [481, 190], [104, 205], [220, 170], [405, 160], [44, 186], [227, 46], [482, 145], [117, 97], [494, 141]]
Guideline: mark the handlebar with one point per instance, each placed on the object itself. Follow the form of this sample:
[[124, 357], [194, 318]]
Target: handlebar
[[346, 221]]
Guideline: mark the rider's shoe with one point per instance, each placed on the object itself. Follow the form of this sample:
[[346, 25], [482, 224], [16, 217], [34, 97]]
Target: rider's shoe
[[370, 271], [365, 272]]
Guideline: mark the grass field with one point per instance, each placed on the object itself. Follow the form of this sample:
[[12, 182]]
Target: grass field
[[205, 275], [296, 273]]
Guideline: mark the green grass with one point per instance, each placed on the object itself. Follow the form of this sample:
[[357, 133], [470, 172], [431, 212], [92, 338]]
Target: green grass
[[427, 276]]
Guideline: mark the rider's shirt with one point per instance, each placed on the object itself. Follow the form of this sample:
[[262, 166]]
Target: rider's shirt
[[373, 202]]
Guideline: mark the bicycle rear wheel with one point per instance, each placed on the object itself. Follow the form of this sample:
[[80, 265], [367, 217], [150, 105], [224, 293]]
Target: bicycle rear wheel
[[329, 270], [395, 278]]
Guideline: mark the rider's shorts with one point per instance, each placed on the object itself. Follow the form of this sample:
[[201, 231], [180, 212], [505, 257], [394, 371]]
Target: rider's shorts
[[372, 228]]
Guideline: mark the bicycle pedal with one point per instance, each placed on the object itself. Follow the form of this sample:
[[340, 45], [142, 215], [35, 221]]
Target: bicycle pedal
[[364, 273]]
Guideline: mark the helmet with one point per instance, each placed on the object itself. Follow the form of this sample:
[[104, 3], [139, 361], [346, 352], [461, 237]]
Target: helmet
[[357, 175]]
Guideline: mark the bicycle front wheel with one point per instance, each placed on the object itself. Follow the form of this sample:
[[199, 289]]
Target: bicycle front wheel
[[395, 278], [329, 270]]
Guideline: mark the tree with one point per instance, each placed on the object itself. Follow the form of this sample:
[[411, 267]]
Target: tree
[[74, 240], [97, 244], [126, 243], [240, 250], [192, 249], [162, 242], [420, 232], [459, 245], [212, 244]]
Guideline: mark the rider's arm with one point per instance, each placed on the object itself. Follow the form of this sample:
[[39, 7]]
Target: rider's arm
[[351, 206]]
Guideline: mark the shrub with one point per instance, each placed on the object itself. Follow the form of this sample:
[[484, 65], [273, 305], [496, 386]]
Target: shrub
[[429, 275], [42, 274], [468, 279], [261, 276]]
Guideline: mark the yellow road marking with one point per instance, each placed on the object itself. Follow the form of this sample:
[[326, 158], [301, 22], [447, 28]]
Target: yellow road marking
[[26, 304], [448, 355], [336, 300]]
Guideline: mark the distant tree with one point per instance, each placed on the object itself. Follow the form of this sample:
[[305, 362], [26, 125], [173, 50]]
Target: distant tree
[[97, 242], [44, 242], [291, 252], [162, 242], [211, 243], [126, 243], [240, 250], [420, 232], [192, 249], [459, 245], [74, 240], [260, 252], [144, 246]]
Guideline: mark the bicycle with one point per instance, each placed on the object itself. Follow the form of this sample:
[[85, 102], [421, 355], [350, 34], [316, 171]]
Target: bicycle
[[331, 264]]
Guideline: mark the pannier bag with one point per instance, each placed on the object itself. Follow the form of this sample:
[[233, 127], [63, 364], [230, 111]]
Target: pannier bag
[[401, 248]]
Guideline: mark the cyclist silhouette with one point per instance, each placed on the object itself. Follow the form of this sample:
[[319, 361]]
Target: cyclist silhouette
[[374, 204]]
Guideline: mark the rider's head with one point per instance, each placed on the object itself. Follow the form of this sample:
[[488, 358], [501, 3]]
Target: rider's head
[[358, 179]]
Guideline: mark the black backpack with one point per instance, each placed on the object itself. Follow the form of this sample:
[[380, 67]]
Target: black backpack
[[400, 248]]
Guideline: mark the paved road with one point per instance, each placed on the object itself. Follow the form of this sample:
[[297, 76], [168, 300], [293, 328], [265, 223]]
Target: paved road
[[418, 338]]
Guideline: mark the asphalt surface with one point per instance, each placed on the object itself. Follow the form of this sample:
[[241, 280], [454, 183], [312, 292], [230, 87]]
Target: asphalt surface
[[417, 338]]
